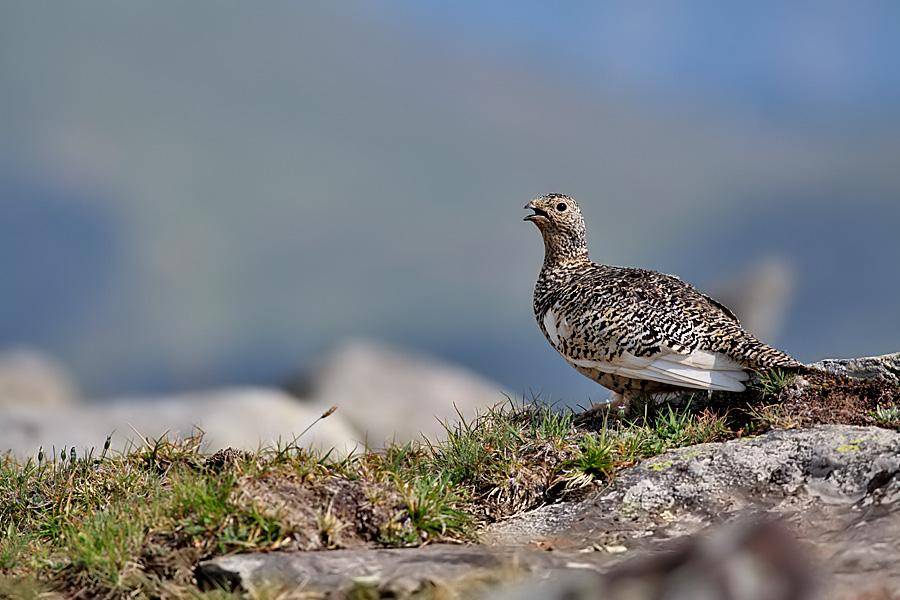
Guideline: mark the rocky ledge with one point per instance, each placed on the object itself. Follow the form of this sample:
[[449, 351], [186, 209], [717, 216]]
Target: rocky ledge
[[885, 368], [805, 513]]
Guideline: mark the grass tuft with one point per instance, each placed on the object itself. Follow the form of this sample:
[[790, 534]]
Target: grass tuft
[[887, 416], [597, 456], [433, 507], [769, 384]]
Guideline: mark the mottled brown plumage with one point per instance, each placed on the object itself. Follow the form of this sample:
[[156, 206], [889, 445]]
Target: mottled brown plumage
[[632, 330]]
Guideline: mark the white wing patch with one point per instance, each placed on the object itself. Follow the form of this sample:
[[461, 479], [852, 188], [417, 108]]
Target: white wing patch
[[550, 327], [700, 369], [555, 327]]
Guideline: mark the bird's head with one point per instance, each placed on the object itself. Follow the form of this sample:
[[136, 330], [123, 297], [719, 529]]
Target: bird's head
[[560, 221]]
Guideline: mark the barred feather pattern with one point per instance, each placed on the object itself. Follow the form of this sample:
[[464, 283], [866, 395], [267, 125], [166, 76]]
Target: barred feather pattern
[[633, 329]]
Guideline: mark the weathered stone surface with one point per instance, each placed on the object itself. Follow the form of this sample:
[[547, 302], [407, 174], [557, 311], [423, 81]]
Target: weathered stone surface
[[752, 559], [391, 395], [835, 488], [884, 368], [747, 560], [393, 572], [237, 417]]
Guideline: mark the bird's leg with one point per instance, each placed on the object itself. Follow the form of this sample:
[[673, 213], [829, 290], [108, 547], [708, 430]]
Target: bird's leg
[[636, 402], [628, 402]]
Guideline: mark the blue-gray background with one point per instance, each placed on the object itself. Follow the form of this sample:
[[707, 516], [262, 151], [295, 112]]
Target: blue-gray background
[[215, 192]]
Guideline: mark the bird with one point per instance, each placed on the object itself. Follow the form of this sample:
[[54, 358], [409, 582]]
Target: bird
[[637, 332]]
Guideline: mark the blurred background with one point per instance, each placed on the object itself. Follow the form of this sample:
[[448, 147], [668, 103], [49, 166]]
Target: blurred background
[[211, 194]]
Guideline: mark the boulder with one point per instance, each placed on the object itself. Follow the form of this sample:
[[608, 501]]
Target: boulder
[[388, 394], [836, 487], [30, 378], [775, 562], [389, 572], [745, 560], [237, 417], [884, 368]]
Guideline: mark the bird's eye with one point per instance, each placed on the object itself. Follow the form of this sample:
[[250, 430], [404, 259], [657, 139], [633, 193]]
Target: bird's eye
[[561, 207]]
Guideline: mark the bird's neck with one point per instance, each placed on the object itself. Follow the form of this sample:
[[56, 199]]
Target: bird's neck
[[563, 250]]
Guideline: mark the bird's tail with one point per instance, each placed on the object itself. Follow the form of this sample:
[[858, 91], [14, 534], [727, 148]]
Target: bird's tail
[[759, 356]]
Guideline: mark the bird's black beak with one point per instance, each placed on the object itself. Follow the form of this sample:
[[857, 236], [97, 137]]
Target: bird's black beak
[[538, 213]]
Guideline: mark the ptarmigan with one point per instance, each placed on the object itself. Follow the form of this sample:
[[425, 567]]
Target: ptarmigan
[[635, 331]]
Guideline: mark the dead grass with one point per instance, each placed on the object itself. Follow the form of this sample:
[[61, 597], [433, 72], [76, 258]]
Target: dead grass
[[824, 398]]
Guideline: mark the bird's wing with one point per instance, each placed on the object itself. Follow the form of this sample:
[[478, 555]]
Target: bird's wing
[[675, 369], [648, 326]]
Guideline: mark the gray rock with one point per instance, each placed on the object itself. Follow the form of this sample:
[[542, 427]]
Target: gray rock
[[744, 561], [391, 395], [392, 572], [747, 560], [883, 368], [836, 489], [381, 394], [30, 378], [238, 417]]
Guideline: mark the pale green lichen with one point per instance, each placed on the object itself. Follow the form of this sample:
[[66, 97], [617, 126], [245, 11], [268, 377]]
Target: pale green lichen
[[850, 447]]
